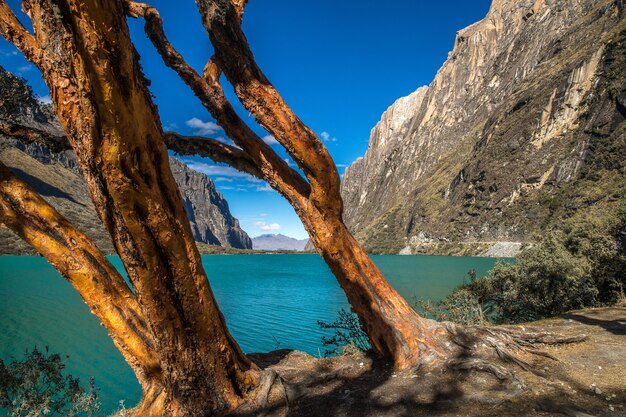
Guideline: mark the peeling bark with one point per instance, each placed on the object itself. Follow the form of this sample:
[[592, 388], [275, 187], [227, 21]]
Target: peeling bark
[[100, 95]]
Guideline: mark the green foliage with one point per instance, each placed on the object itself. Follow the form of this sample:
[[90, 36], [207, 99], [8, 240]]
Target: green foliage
[[349, 335], [36, 386], [462, 306], [570, 269]]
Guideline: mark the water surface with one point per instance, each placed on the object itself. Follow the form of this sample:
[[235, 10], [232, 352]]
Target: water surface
[[269, 302]]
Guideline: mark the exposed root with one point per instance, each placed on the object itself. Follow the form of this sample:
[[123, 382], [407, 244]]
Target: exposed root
[[473, 364], [478, 343], [270, 397]]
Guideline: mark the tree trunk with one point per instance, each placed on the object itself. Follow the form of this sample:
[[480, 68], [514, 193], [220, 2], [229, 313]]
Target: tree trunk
[[395, 330], [84, 52]]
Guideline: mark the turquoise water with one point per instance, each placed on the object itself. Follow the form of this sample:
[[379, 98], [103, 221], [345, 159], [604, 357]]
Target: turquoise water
[[269, 301]]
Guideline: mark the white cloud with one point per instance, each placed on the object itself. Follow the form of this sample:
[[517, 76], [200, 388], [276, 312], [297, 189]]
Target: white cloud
[[203, 128], [270, 140], [4, 52], [263, 215], [265, 187], [45, 99], [25, 68], [170, 126], [327, 137], [267, 226], [222, 179], [289, 162], [217, 170]]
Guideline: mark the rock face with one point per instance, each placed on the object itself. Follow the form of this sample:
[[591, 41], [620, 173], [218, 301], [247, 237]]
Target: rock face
[[55, 175], [207, 209], [530, 100], [278, 242]]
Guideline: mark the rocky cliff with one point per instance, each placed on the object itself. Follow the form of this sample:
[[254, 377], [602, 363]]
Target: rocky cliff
[[55, 175], [207, 209], [524, 121]]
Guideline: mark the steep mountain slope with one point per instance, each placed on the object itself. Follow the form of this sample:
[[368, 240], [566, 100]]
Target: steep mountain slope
[[55, 175], [207, 209], [278, 242], [524, 121]]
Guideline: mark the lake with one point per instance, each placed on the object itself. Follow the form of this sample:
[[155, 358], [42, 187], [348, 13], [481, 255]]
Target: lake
[[269, 301]]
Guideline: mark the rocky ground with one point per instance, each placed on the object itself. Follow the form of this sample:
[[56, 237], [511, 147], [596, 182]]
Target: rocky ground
[[588, 379]]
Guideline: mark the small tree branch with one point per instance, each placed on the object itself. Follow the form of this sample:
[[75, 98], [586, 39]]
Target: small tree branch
[[78, 259], [13, 31], [211, 148], [239, 7]]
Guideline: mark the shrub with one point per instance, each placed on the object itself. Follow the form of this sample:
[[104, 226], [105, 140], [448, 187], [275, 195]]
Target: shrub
[[349, 335], [571, 269], [36, 386]]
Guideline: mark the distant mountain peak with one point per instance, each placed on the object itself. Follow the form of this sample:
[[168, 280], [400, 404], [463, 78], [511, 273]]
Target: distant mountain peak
[[278, 241]]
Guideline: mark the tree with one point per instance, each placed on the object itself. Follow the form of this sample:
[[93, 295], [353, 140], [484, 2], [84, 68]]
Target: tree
[[170, 328]]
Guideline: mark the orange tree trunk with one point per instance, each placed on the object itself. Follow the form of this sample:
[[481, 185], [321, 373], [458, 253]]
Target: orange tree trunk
[[84, 52], [396, 331]]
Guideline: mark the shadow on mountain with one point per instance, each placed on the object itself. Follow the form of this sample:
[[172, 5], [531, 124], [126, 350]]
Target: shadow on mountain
[[42, 187]]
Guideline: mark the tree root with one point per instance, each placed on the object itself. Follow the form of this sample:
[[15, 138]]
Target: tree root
[[269, 398], [478, 343], [481, 365]]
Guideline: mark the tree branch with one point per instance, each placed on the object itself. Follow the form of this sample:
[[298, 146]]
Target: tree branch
[[234, 57], [182, 145], [276, 171], [32, 135], [13, 31], [211, 148], [78, 259]]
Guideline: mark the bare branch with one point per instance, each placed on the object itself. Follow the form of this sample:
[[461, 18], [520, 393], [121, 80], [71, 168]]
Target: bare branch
[[234, 57], [13, 31], [182, 145], [78, 259], [211, 148]]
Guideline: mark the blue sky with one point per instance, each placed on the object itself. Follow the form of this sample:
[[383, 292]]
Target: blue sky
[[339, 64]]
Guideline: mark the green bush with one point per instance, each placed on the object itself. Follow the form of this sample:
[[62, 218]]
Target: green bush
[[36, 386], [463, 306], [571, 269]]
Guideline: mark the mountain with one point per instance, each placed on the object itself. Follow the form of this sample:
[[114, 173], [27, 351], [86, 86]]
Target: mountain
[[55, 175], [208, 211], [278, 242], [523, 125]]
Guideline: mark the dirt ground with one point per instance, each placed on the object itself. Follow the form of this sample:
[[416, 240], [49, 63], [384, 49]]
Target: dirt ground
[[589, 379]]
